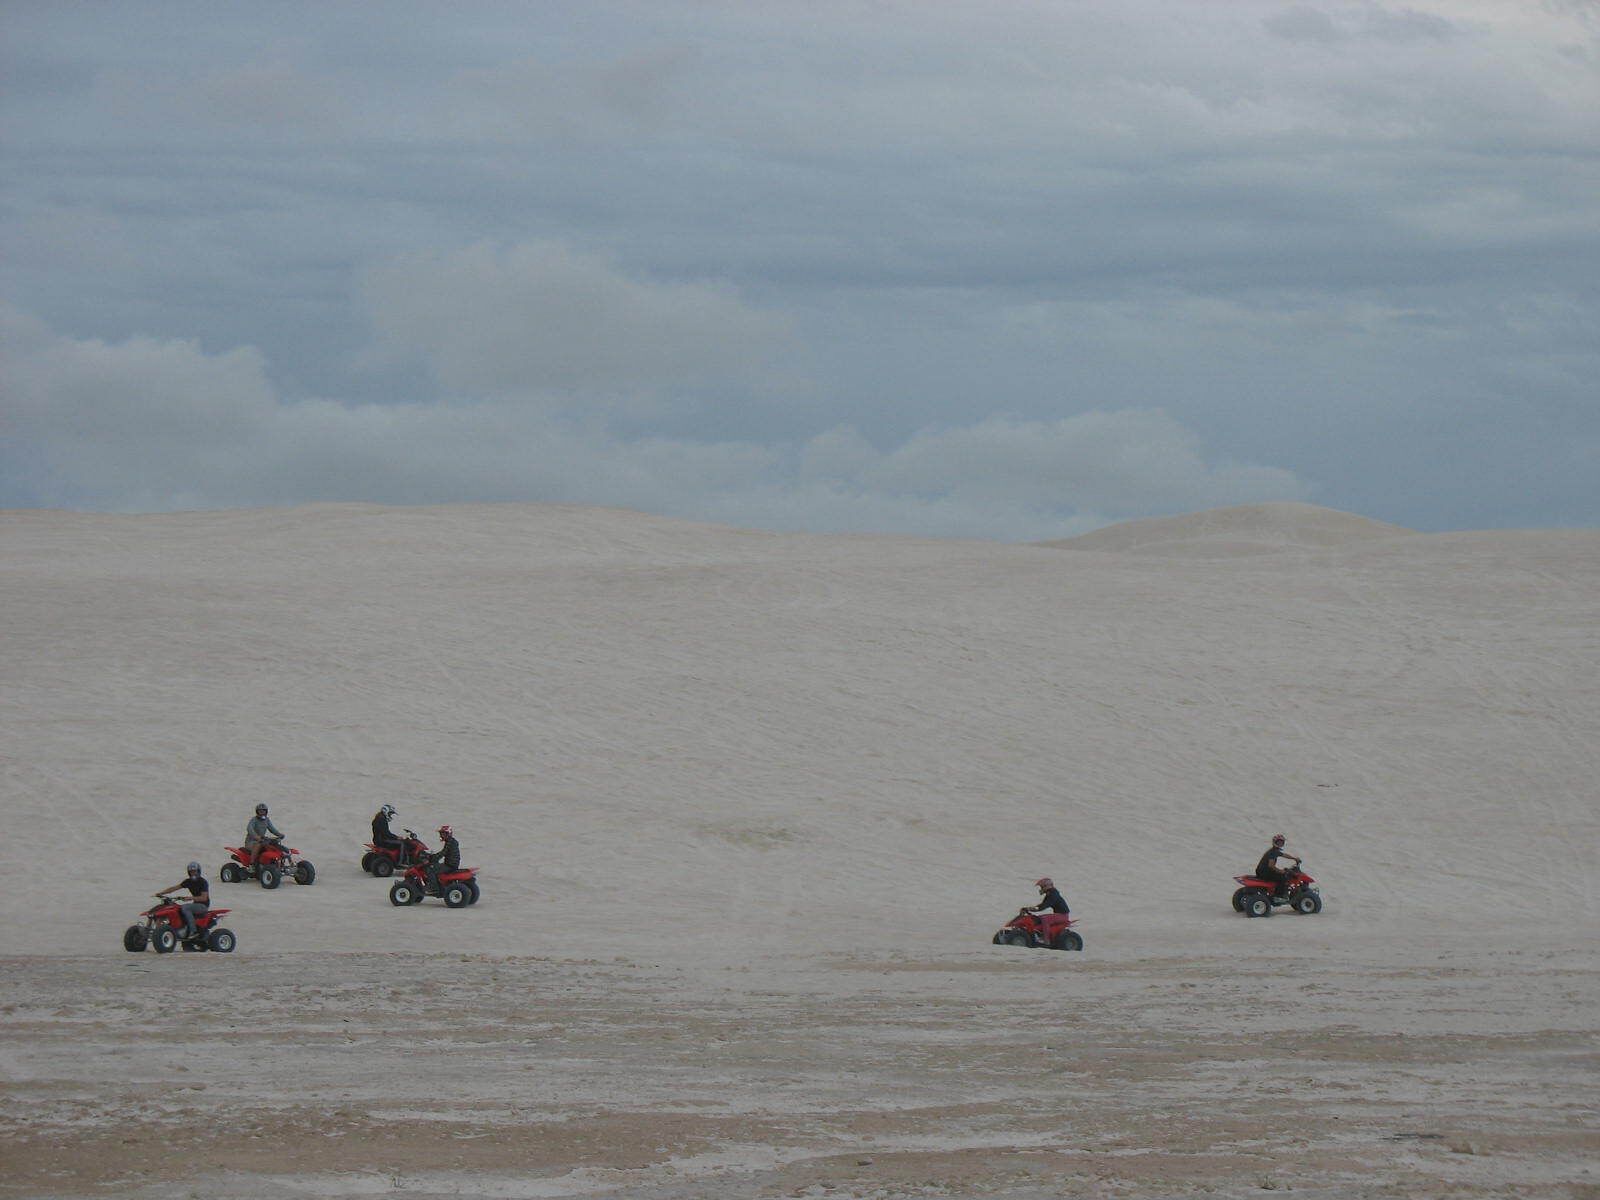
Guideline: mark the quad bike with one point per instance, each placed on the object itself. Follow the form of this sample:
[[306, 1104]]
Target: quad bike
[[162, 927], [1257, 897], [382, 860], [277, 860], [1029, 928], [457, 888]]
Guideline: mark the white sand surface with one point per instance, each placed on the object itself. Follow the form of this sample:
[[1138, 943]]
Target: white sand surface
[[748, 807]]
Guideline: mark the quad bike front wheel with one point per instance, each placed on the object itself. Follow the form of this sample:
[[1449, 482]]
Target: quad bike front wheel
[[1067, 940], [403, 893], [165, 940], [1258, 904], [221, 940], [135, 939], [269, 877], [1308, 903], [305, 874], [230, 873]]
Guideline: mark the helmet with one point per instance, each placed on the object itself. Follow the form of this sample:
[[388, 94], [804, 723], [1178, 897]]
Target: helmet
[[1277, 839], [1044, 884], [388, 810], [445, 831], [261, 810], [194, 868]]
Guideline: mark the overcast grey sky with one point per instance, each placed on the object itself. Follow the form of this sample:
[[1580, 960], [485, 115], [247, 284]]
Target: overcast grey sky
[[993, 269]]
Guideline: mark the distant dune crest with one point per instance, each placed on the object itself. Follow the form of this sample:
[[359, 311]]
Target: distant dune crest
[[1230, 532]]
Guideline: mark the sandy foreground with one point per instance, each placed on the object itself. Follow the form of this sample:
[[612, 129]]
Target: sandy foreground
[[748, 809]]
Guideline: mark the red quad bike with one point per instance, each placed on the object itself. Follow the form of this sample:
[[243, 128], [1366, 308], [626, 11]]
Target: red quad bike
[[1257, 897], [456, 888], [162, 927], [277, 860], [1040, 929], [382, 860]]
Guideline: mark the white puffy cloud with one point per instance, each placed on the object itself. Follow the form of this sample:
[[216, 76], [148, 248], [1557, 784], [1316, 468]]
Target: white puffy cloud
[[147, 424]]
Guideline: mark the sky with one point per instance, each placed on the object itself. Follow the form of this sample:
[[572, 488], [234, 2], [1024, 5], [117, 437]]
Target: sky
[[996, 269]]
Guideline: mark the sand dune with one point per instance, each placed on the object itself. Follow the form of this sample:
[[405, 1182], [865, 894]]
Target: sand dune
[[724, 766], [608, 704], [1246, 529]]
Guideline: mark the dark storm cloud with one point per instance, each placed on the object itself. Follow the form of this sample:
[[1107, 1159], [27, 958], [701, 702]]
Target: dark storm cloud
[[1341, 251]]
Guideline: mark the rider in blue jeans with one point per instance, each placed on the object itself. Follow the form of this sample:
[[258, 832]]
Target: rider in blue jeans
[[199, 899]]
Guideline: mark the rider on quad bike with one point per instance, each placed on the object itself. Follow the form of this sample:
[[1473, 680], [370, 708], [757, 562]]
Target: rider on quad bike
[[1049, 898], [199, 899], [1268, 868], [446, 858], [383, 838], [256, 834]]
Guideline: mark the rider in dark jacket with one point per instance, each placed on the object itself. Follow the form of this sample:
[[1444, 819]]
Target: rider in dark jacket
[[382, 836], [1049, 898], [446, 858], [1268, 868]]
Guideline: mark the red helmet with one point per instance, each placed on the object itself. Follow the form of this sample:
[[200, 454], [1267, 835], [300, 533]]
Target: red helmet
[[445, 831], [1044, 884], [1277, 839]]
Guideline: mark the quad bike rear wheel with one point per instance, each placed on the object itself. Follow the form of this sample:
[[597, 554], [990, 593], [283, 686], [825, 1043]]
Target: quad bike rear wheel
[[382, 867], [230, 873], [1258, 904], [1067, 939], [1238, 899], [269, 877], [135, 939], [305, 874], [472, 887], [165, 940], [1308, 903], [367, 860], [221, 940]]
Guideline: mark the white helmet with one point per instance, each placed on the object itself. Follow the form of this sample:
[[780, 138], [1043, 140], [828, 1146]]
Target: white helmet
[[388, 810]]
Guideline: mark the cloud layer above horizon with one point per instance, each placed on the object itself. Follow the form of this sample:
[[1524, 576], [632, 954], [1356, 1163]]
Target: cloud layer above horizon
[[1007, 270]]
